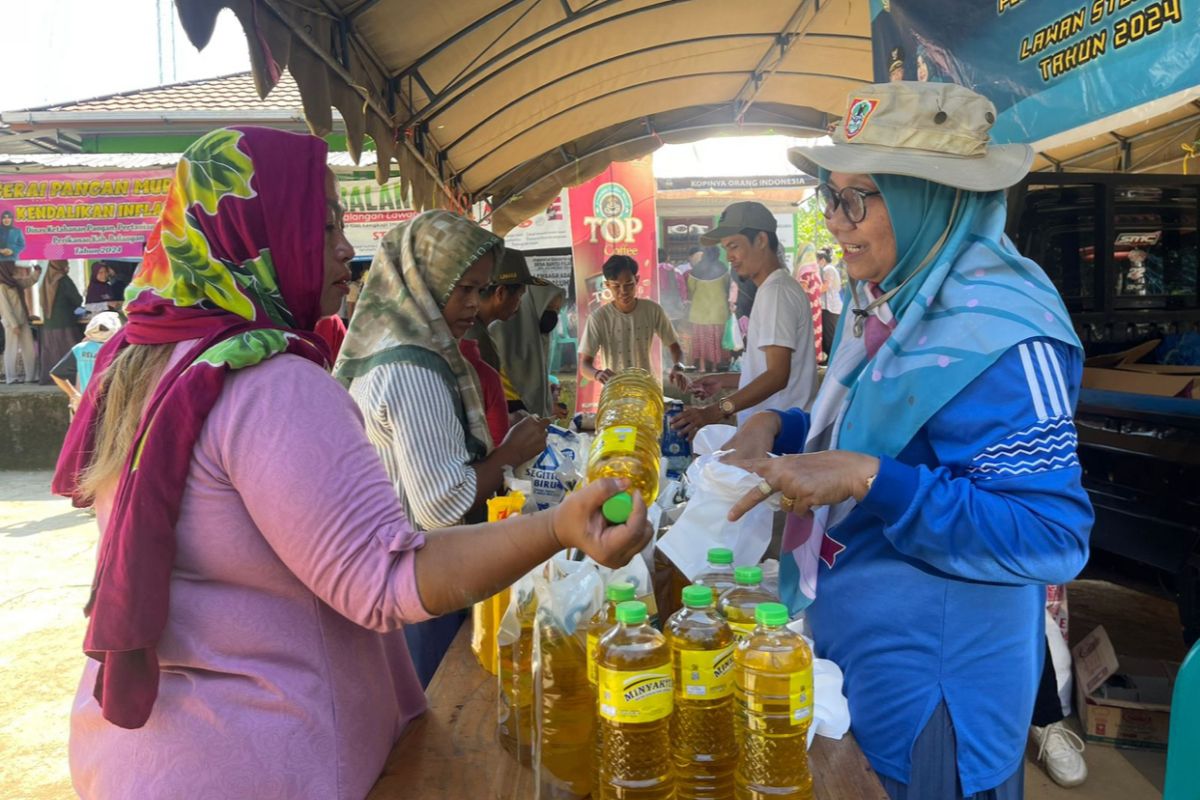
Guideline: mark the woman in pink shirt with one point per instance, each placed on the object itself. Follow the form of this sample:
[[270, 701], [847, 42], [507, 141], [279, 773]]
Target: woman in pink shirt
[[253, 546]]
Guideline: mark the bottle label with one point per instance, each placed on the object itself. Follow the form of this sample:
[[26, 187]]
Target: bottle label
[[741, 631], [706, 674], [799, 702], [644, 695], [615, 440], [592, 640]]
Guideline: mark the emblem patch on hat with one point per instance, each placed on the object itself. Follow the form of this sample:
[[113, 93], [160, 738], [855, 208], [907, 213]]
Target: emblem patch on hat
[[861, 109]]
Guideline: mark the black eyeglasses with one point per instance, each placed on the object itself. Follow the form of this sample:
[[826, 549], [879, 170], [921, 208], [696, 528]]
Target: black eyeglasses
[[852, 200]]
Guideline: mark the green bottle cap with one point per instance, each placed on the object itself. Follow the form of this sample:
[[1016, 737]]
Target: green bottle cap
[[720, 555], [617, 508], [633, 612], [747, 575], [697, 596], [620, 592], [773, 614]]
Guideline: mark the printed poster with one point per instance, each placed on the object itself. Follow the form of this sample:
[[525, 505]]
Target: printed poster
[[82, 215], [612, 214], [549, 230], [371, 211]]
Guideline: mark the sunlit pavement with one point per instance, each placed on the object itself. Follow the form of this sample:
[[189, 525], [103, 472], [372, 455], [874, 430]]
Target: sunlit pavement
[[47, 552]]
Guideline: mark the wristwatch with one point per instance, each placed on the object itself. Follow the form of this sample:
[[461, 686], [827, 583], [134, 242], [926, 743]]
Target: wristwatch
[[727, 407]]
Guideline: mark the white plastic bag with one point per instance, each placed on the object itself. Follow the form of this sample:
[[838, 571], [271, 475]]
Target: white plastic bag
[[704, 523], [557, 470], [831, 710]]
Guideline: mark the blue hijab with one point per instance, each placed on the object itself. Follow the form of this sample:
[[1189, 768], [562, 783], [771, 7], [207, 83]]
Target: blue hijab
[[963, 296]]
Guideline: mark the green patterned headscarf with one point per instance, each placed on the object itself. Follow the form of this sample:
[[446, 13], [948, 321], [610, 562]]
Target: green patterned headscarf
[[398, 317]]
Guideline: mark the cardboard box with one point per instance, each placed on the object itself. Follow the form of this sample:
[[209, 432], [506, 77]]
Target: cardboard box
[[1122, 700], [1120, 372], [1137, 382]]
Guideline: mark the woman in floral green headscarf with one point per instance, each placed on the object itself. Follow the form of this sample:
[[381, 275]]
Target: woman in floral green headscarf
[[240, 592], [421, 399]]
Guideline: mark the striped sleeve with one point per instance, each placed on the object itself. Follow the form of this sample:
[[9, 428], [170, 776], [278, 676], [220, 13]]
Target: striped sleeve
[[1048, 442], [412, 423]]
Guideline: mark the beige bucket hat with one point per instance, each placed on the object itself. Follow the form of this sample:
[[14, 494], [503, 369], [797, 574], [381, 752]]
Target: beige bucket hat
[[935, 131]]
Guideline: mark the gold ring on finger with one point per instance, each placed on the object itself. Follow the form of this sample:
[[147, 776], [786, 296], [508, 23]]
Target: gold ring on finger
[[788, 504]]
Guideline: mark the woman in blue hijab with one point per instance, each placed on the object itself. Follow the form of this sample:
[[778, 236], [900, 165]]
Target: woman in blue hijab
[[935, 489]]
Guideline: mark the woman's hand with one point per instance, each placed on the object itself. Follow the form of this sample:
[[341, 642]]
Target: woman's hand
[[755, 439], [578, 523], [603, 376], [525, 440], [809, 479]]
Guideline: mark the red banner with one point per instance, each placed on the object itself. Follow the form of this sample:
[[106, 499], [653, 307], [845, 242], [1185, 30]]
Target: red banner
[[612, 214]]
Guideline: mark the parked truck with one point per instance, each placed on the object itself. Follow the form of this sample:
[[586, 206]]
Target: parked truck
[[1123, 251]]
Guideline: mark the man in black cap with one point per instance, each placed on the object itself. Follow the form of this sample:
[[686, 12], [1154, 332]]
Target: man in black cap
[[779, 369], [499, 302]]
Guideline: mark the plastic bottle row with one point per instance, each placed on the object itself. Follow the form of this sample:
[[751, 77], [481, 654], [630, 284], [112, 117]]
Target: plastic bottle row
[[695, 714]]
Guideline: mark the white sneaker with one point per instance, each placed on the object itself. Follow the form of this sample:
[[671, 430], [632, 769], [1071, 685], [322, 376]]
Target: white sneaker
[[1061, 752]]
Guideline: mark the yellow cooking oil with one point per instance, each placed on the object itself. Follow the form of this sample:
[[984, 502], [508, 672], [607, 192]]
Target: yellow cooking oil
[[515, 723], [703, 747], [601, 623], [718, 573], [634, 702], [737, 605], [604, 619], [486, 614], [567, 710], [773, 691], [628, 439]]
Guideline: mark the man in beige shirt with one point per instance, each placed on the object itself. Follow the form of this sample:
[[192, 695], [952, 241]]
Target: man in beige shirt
[[624, 330]]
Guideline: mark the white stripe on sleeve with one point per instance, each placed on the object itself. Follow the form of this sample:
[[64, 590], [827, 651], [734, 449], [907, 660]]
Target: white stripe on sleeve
[[1035, 390], [1048, 380]]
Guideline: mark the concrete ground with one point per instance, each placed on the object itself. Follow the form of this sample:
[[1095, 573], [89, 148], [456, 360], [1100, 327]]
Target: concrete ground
[[47, 553]]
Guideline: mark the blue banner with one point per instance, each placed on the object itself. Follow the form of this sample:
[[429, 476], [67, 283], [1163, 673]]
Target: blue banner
[[1048, 65]]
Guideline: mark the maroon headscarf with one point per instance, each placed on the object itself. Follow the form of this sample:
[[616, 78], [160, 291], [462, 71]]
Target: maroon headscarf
[[236, 262]]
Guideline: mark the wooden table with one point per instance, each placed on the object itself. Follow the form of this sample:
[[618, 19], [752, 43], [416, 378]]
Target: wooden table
[[451, 752]]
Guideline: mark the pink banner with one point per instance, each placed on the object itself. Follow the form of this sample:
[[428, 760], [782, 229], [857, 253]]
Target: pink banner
[[83, 215]]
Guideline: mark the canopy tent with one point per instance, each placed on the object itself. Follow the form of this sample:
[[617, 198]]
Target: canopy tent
[[510, 100], [1159, 137]]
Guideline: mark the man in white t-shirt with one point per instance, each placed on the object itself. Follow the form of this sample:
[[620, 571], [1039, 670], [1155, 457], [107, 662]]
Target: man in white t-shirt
[[779, 369]]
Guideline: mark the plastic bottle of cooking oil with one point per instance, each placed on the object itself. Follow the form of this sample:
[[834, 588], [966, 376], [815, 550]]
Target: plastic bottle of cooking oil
[[601, 623], [635, 699], [737, 605], [719, 574], [566, 708], [604, 619], [515, 716], [773, 688], [703, 748], [628, 434]]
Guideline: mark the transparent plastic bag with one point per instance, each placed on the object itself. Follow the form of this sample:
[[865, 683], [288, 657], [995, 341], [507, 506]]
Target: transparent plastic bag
[[568, 594], [514, 700]]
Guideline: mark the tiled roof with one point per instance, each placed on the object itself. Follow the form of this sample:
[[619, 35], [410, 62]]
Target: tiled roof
[[226, 93]]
